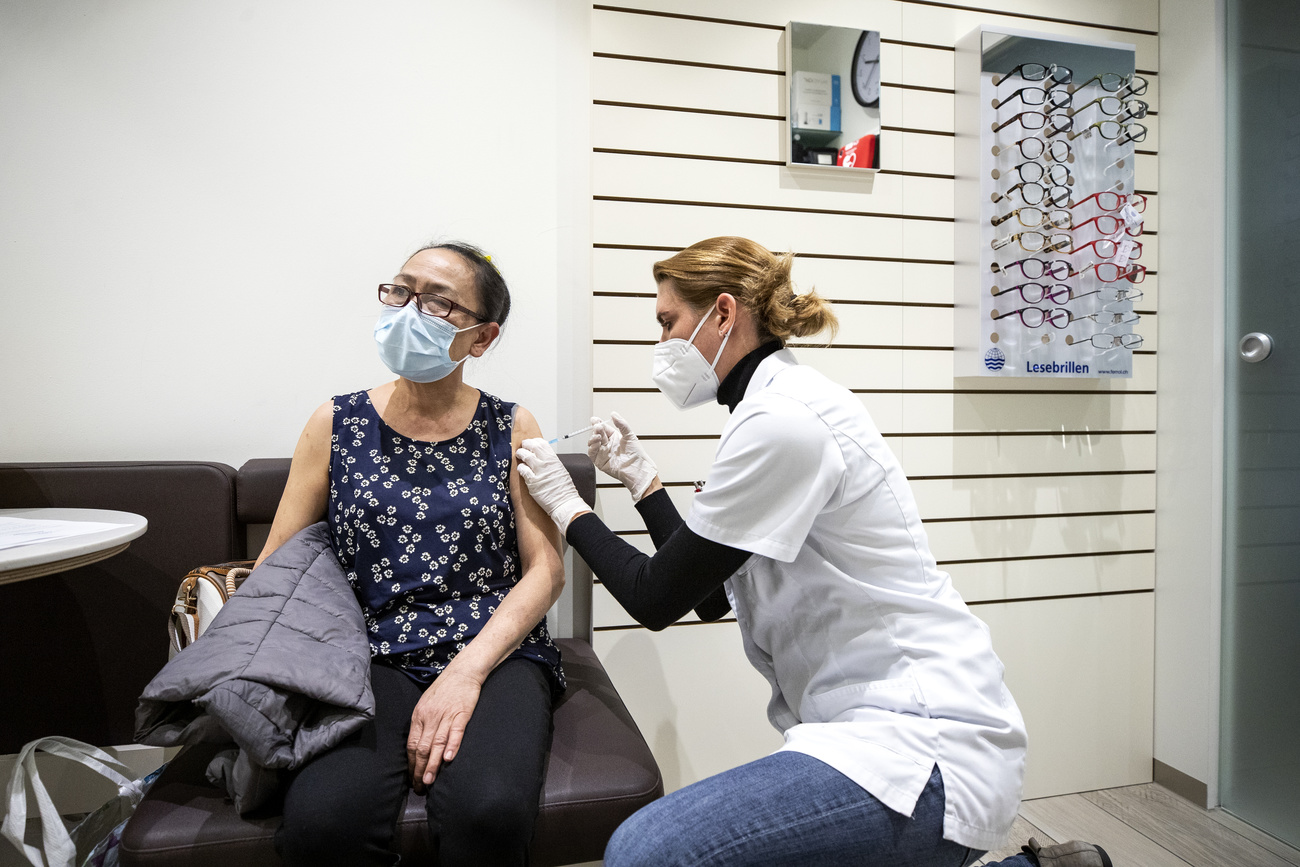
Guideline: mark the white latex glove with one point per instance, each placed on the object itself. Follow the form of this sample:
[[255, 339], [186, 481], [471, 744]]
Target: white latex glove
[[549, 482], [615, 450]]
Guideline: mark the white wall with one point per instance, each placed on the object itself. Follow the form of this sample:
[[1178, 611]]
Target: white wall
[[199, 199], [1189, 520]]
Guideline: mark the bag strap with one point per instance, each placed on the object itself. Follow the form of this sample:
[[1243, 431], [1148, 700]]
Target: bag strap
[[59, 850]]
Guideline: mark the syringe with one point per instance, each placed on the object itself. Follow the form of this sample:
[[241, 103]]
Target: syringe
[[574, 434]]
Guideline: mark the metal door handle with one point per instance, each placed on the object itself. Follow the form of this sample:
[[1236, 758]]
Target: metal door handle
[[1255, 347]]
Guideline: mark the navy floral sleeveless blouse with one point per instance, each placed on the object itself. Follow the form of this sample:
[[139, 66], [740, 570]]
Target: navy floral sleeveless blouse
[[426, 532]]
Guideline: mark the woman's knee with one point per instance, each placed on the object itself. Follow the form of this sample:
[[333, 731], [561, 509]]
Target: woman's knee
[[320, 836], [499, 815]]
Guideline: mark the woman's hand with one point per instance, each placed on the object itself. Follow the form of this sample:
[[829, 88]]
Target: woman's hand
[[549, 482], [438, 724], [616, 451]]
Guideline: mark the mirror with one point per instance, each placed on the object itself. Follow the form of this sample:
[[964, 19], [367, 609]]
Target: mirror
[[834, 99]]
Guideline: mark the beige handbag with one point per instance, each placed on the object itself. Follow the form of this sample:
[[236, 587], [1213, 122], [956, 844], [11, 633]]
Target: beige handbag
[[201, 595]]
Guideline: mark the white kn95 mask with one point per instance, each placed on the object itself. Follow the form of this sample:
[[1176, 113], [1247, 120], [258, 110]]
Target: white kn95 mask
[[682, 373]]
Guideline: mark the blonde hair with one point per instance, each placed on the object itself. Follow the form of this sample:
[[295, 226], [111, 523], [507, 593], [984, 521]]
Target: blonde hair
[[758, 278]]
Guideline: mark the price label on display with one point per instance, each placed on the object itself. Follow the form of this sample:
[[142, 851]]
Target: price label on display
[[1130, 216], [1123, 249]]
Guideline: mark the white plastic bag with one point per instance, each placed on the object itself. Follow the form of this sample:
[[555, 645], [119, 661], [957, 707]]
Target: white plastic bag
[[59, 847]]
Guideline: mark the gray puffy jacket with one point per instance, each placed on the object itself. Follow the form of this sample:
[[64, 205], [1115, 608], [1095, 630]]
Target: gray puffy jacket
[[283, 672]]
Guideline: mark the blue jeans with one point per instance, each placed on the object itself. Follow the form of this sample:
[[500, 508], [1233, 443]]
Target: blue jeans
[[788, 809]]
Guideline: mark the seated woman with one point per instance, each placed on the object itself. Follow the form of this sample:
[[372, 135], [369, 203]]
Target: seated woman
[[454, 566]]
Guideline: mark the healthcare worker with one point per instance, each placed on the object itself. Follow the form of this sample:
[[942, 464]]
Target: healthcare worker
[[902, 745]]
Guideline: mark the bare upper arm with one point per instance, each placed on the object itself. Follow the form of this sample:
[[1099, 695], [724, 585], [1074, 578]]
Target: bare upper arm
[[307, 491], [539, 538]]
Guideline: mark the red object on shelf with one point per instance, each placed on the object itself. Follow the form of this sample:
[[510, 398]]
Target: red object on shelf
[[862, 153]]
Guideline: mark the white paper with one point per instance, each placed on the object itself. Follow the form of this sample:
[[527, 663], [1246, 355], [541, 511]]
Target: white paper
[[1130, 216], [1123, 249], [15, 532]]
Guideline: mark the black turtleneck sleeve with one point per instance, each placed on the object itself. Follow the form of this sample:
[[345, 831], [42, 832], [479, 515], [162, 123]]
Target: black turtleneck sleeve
[[686, 571]]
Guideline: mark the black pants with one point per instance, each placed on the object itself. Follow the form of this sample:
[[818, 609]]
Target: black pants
[[343, 806]]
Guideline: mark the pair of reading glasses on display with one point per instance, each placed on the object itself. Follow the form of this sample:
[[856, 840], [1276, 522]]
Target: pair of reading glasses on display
[[1059, 317], [1035, 194], [1032, 173], [1115, 107], [1107, 248], [1107, 224], [1110, 201], [1113, 82], [1036, 269], [1113, 131], [1032, 218], [1105, 341], [1036, 293], [1032, 147], [1057, 99], [1033, 242], [1110, 272], [1054, 74], [1031, 120]]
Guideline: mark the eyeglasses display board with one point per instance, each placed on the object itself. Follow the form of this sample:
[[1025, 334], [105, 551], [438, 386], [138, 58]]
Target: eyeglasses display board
[[1048, 234]]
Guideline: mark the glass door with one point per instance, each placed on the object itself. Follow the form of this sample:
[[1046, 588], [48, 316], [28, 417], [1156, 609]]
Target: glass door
[[1260, 750]]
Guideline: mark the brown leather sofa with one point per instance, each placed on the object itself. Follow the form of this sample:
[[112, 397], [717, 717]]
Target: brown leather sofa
[[87, 641]]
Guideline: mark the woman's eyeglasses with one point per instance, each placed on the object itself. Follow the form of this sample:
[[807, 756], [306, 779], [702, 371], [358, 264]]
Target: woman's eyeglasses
[[1034, 293], [1032, 148], [1057, 74], [1057, 98], [1109, 201], [1032, 242], [426, 302], [1058, 123], [1106, 341], [1032, 218], [1034, 269], [1035, 193], [1035, 317], [1032, 172]]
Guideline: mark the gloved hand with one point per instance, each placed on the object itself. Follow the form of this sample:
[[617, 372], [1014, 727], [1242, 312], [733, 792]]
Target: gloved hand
[[549, 482], [615, 450]]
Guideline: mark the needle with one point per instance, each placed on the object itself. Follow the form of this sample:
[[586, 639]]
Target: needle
[[574, 434]]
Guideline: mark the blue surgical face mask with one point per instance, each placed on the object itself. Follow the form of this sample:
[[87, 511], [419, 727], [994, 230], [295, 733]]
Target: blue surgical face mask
[[415, 346]]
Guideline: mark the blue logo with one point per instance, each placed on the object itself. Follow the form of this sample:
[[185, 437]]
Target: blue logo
[[994, 359]]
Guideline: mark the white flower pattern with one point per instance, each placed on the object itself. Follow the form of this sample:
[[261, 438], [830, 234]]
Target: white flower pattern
[[391, 497]]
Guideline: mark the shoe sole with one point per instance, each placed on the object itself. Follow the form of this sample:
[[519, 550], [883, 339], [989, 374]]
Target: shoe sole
[[1105, 859]]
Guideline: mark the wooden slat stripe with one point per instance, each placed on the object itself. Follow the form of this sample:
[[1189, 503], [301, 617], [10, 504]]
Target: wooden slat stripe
[[764, 26], [837, 256], [684, 17], [758, 70], [1070, 556], [952, 477], [1005, 601], [787, 209], [1028, 17], [700, 64], [956, 434], [1098, 514], [954, 391], [757, 162]]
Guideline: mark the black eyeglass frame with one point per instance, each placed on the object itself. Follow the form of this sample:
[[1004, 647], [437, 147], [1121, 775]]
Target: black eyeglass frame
[[411, 293]]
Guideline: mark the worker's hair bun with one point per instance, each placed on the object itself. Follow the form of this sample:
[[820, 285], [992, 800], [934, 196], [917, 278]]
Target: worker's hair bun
[[759, 279]]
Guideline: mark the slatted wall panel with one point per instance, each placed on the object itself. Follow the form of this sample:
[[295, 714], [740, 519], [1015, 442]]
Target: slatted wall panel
[[1038, 496]]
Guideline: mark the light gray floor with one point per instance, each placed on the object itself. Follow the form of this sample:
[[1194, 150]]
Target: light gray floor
[[1147, 826]]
